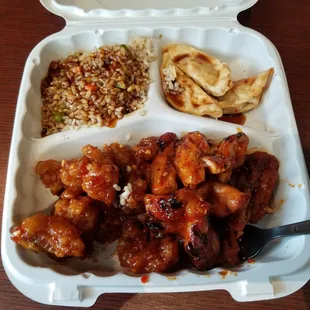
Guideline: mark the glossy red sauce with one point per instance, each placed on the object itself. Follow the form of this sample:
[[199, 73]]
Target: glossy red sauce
[[224, 274], [176, 99], [239, 119], [145, 279]]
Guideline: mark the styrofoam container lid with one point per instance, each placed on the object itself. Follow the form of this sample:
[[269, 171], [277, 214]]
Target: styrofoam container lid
[[79, 10]]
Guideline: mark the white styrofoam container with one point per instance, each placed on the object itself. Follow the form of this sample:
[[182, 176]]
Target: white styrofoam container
[[211, 25]]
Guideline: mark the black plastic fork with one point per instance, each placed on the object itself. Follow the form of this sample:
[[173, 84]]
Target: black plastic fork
[[254, 239]]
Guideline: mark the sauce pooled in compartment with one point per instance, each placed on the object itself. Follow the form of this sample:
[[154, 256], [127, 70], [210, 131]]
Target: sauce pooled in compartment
[[238, 119]]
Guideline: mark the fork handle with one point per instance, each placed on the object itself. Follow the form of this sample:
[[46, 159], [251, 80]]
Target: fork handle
[[301, 228]]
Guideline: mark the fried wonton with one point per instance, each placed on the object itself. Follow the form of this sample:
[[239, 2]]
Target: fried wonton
[[208, 72], [246, 94], [184, 94]]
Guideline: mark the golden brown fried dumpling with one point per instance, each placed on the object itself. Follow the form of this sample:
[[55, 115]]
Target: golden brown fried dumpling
[[246, 94], [184, 94], [208, 72]]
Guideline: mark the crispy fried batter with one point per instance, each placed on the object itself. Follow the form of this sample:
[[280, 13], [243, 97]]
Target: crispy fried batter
[[101, 175], [140, 255], [163, 174], [258, 177], [72, 171], [229, 155], [234, 147], [72, 192], [52, 234], [81, 211], [147, 149], [50, 175], [135, 199], [226, 199], [185, 215], [110, 228], [120, 155], [192, 147]]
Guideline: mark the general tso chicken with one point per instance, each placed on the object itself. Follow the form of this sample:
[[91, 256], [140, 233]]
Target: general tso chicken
[[167, 201]]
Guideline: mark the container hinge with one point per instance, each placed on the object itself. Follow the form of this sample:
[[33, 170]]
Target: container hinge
[[153, 20], [67, 292]]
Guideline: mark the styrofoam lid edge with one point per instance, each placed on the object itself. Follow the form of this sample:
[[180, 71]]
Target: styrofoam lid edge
[[102, 9]]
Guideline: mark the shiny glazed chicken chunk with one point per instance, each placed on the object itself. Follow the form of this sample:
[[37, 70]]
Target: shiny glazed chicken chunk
[[226, 199], [52, 234], [102, 174], [229, 155], [163, 174], [72, 192], [73, 170], [258, 177], [81, 211], [141, 255], [110, 228], [147, 149], [134, 200], [185, 214], [120, 155], [50, 175], [234, 147], [191, 148], [134, 189], [94, 173]]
